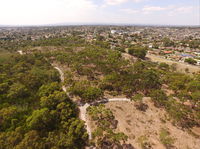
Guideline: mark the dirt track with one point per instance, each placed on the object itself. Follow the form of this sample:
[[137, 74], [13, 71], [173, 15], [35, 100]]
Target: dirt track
[[83, 108]]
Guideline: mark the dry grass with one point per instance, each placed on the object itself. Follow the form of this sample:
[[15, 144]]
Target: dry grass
[[181, 67], [148, 125]]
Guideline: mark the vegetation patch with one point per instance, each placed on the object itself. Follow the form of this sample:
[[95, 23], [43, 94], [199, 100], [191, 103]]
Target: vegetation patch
[[34, 112], [105, 136], [166, 139]]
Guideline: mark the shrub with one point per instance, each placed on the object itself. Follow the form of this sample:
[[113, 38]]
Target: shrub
[[165, 138], [159, 97], [190, 61], [139, 52]]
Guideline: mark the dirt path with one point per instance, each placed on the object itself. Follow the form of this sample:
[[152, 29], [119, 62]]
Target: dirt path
[[20, 52], [119, 99], [83, 108], [62, 79], [83, 116]]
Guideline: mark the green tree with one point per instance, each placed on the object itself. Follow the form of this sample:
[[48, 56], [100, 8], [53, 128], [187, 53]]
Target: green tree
[[159, 97], [138, 52], [167, 42], [194, 44], [190, 61], [150, 80], [47, 89], [164, 66], [92, 93], [31, 140], [10, 139], [7, 115], [41, 120], [17, 90], [74, 136]]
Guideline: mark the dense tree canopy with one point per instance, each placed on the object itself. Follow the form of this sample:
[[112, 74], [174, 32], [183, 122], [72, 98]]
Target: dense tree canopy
[[34, 112]]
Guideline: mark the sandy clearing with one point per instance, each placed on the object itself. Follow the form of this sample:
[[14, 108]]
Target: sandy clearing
[[136, 123]]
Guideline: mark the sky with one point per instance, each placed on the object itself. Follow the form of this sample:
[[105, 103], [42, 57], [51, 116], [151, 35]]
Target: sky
[[148, 12]]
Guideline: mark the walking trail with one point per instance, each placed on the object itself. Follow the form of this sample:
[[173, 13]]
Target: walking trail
[[82, 108]]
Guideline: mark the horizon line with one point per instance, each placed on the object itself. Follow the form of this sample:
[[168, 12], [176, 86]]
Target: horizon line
[[96, 24]]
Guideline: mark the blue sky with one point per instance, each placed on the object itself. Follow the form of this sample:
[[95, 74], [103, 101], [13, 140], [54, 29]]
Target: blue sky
[[157, 12]]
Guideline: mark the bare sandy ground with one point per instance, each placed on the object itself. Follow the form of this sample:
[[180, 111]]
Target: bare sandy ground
[[83, 116], [136, 123], [20, 52], [180, 66]]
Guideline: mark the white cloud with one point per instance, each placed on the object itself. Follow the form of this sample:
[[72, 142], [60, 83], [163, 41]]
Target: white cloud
[[184, 9], [171, 10], [153, 8], [137, 1], [114, 2], [45, 11], [118, 2], [171, 14], [129, 11], [181, 10], [146, 8]]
